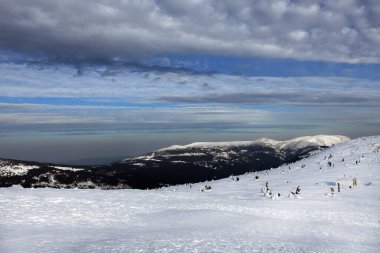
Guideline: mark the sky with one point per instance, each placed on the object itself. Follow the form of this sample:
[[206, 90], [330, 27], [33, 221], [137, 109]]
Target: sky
[[94, 81]]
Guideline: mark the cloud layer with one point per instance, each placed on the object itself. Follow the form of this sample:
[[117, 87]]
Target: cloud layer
[[107, 111], [123, 87], [338, 31], [153, 100]]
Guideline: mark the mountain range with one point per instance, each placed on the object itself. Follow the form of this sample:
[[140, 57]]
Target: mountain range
[[178, 164]]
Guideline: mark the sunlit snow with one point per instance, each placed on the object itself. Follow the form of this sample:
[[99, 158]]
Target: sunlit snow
[[300, 142], [234, 216]]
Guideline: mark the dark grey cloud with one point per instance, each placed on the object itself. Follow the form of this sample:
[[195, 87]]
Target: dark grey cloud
[[342, 31], [108, 67]]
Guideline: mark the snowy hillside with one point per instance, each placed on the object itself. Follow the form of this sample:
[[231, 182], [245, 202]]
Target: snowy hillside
[[13, 168], [233, 216]]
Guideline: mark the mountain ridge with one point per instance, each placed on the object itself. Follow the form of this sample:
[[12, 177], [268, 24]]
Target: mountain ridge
[[177, 164], [322, 140]]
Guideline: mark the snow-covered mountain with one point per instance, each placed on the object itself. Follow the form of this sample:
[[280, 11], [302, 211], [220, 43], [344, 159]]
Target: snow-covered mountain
[[177, 164], [295, 147], [233, 216], [294, 144]]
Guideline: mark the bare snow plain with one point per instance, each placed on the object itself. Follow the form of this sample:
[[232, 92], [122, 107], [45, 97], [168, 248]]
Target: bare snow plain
[[234, 216]]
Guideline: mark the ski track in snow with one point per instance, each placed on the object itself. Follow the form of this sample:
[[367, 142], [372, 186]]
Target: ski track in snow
[[233, 217]]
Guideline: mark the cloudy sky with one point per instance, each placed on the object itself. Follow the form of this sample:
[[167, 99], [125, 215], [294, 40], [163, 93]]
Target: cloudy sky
[[104, 79]]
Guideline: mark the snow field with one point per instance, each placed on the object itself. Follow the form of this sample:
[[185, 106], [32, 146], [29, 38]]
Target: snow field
[[234, 216]]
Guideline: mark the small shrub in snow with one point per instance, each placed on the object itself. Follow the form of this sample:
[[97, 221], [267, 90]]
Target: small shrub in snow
[[267, 192], [275, 196], [206, 188], [331, 193], [295, 193]]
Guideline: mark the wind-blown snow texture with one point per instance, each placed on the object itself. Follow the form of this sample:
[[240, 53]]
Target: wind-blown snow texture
[[234, 216]]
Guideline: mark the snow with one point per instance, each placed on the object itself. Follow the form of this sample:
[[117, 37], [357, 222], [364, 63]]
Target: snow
[[139, 164], [188, 154], [173, 147], [67, 168], [234, 216], [18, 169], [8, 169], [300, 142], [320, 140]]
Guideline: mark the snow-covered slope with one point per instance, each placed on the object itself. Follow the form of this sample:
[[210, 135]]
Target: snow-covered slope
[[15, 168], [234, 216]]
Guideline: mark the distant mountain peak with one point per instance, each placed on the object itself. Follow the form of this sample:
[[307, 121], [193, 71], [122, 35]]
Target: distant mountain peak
[[320, 140]]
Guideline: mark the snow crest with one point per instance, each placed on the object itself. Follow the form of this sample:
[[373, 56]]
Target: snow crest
[[297, 143]]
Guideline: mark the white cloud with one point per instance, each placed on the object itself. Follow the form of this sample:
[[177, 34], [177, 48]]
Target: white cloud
[[298, 35]]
